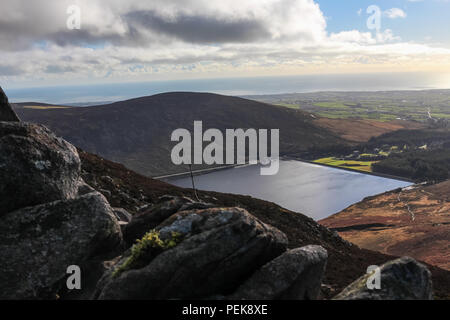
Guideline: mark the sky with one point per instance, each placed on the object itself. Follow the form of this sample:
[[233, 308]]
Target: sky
[[73, 42]]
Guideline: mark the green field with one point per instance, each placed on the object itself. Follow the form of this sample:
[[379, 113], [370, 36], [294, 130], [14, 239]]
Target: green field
[[44, 107], [382, 106], [287, 105], [365, 166], [332, 105]]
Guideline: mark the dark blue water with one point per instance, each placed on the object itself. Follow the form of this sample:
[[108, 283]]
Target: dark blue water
[[230, 86], [314, 190]]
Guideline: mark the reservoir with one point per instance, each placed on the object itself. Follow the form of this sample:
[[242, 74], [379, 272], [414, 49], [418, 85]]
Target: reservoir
[[313, 190]]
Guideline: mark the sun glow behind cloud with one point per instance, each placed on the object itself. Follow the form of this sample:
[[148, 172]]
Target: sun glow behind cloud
[[160, 39]]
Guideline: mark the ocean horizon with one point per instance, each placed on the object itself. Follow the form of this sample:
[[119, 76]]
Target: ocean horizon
[[102, 93]]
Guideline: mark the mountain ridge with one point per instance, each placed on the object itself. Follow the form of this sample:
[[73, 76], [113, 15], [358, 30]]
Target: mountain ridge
[[145, 145]]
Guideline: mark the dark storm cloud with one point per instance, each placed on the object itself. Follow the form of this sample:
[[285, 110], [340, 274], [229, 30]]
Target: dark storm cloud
[[145, 27], [141, 29], [14, 36], [199, 29]]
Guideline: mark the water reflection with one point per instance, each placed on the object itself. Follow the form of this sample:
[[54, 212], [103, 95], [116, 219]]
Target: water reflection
[[314, 190]]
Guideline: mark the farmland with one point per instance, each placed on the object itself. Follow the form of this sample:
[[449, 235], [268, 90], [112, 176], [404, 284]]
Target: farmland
[[381, 105]]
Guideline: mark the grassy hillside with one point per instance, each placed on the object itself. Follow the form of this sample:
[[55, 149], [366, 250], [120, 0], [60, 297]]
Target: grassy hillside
[[137, 132], [418, 155], [419, 165], [421, 155]]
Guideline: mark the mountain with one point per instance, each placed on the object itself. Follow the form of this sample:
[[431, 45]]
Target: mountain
[[137, 132], [413, 221]]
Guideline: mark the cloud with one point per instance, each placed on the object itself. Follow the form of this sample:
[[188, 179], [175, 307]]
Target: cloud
[[199, 29], [364, 38], [134, 23], [128, 39], [58, 69], [395, 13], [9, 70]]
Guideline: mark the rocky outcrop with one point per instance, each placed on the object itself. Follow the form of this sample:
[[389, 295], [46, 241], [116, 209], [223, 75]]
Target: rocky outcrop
[[6, 112], [38, 243], [401, 279], [122, 215], [35, 166], [218, 249], [50, 218], [295, 275], [149, 219]]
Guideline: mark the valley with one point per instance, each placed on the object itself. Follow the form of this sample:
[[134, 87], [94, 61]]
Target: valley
[[391, 146], [209, 158], [130, 190]]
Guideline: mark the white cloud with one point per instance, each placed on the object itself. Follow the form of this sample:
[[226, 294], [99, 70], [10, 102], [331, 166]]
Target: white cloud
[[395, 13], [364, 38]]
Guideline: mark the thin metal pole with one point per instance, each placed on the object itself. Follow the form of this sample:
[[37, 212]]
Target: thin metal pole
[[193, 184]]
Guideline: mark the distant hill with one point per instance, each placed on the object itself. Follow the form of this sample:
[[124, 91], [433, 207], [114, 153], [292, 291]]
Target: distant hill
[[19, 105], [137, 132]]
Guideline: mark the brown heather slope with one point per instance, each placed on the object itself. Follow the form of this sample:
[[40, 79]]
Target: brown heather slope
[[346, 262], [361, 130], [411, 222]]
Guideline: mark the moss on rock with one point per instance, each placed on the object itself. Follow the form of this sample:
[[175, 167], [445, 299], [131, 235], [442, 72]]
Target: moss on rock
[[146, 248]]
